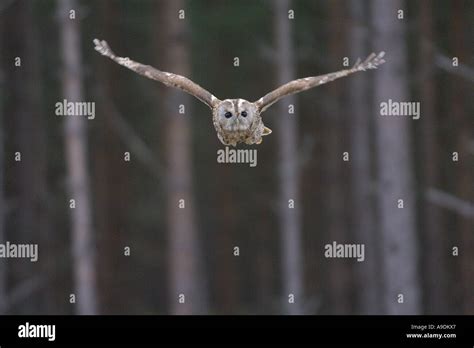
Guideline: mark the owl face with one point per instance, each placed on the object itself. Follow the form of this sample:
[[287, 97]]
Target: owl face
[[236, 115]]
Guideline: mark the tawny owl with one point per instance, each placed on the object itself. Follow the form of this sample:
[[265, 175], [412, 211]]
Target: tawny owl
[[237, 120]]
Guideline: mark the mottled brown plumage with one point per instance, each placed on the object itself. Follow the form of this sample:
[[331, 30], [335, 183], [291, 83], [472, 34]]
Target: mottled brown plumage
[[237, 128], [237, 120]]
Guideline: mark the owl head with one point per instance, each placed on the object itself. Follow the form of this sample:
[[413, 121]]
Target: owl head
[[236, 115], [239, 121]]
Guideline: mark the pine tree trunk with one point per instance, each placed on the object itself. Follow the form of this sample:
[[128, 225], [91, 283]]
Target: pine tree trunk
[[28, 138], [186, 273], [111, 186], [3, 208], [290, 220], [226, 275], [339, 275], [75, 138], [363, 204], [395, 168], [463, 169], [435, 247]]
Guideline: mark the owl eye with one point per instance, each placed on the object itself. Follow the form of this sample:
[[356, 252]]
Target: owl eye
[[228, 114], [244, 113]]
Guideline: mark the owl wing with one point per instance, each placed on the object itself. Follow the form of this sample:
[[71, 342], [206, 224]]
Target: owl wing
[[169, 79], [300, 85]]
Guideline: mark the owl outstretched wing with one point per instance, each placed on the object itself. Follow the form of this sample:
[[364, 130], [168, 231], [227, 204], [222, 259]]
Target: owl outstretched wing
[[296, 86], [169, 79]]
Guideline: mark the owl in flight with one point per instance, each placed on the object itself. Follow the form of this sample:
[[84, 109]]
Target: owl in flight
[[237, 120]]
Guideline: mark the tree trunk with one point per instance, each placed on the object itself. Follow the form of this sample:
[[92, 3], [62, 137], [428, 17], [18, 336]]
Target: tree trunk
[[28, 138], [111, 187], [395, 170], [463, 169], [339, 275], [3, 265], [185, 271], [289, 217], [363, 205], [434, 261], [75, 137], [226, 275]]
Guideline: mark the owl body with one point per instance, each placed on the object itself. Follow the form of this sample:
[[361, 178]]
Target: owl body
[[238, 121]]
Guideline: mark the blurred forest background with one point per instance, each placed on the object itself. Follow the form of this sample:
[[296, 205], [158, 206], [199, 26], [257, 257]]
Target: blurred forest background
[[126, 247]]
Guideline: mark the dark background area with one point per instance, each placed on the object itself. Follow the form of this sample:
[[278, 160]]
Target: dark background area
[[423, 250]]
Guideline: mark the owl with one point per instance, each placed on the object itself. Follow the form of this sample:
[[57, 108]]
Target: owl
[[237, 120]]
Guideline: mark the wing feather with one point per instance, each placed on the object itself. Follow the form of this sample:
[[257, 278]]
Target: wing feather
[[169, 79], [300, 85]]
